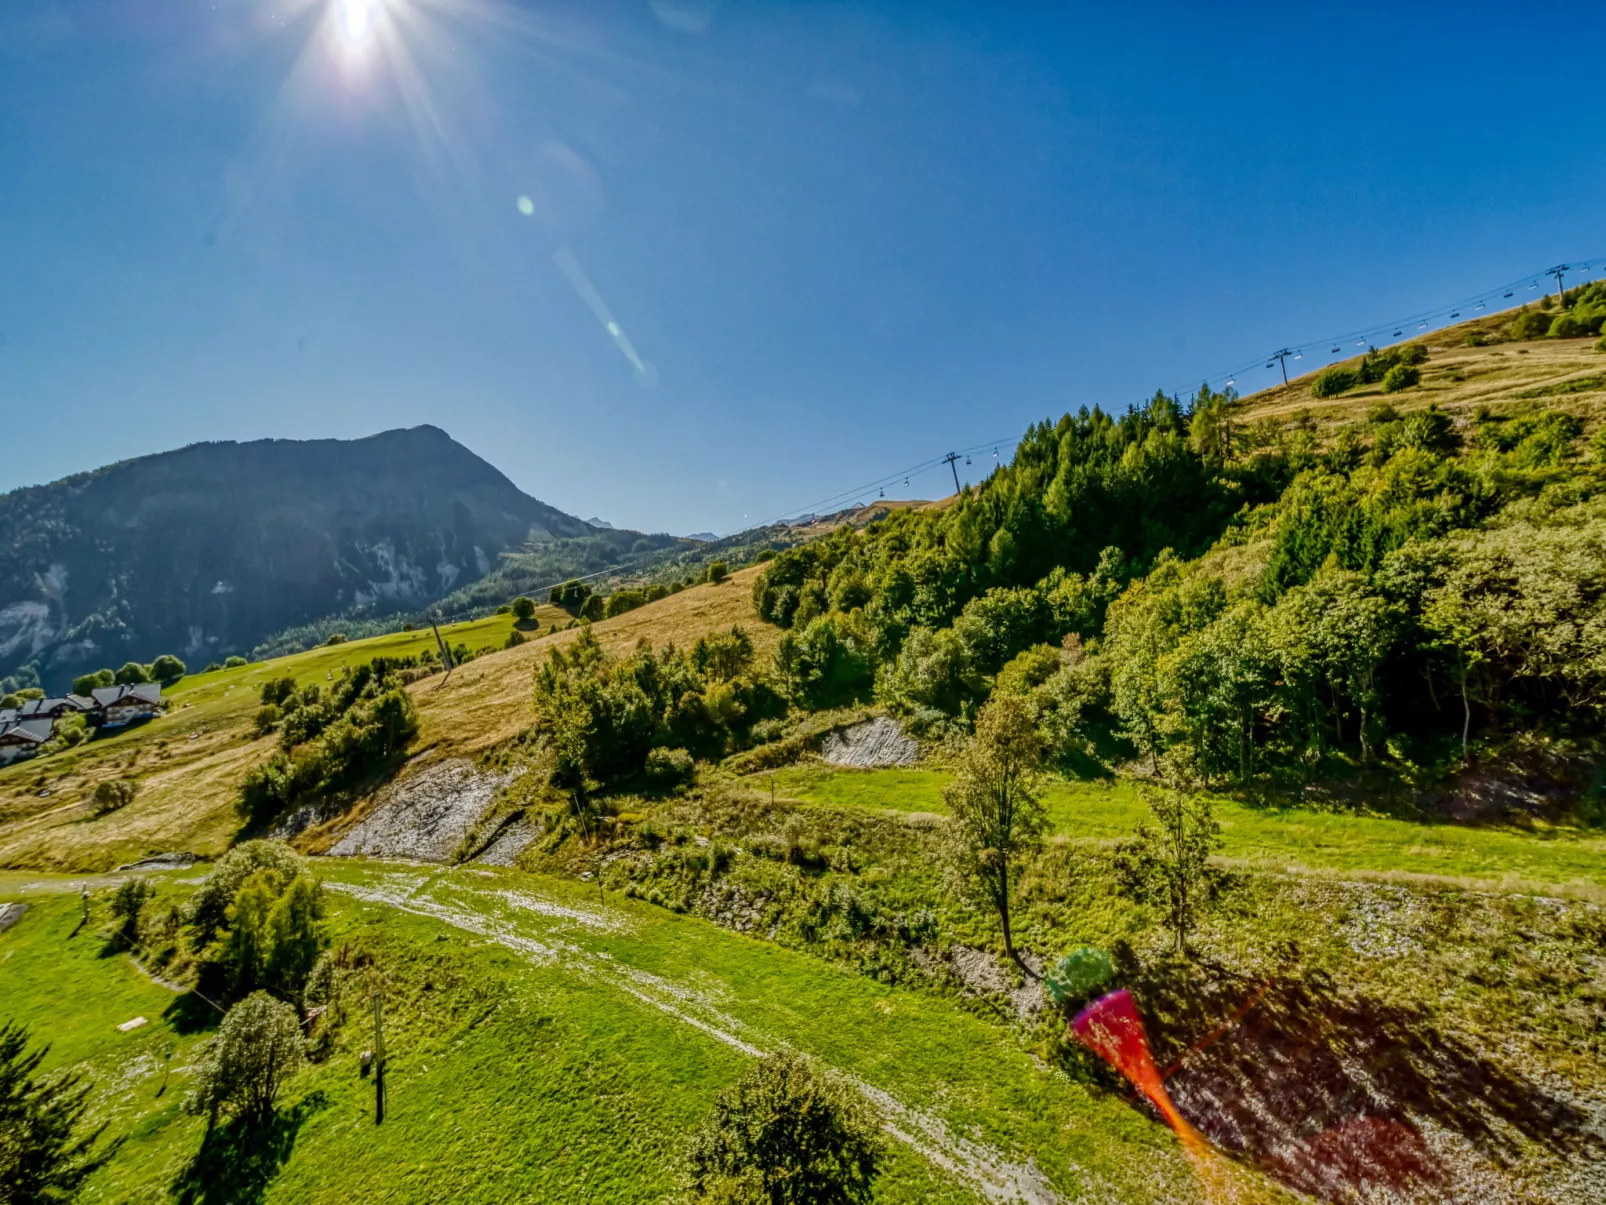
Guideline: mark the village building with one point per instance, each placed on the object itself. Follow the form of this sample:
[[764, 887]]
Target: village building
[[119, 705], [22, 739]]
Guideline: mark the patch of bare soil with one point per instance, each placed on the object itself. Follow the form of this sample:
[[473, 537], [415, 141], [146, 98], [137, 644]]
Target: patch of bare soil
[[1535, 787]]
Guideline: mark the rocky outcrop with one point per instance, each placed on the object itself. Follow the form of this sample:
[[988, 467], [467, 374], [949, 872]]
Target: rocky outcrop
[[877, 742]]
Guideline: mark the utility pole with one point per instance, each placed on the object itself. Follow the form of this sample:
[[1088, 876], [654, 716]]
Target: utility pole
[[379, 1057], [1556, 272], [1282, 361], [949, 460], [446, 656]]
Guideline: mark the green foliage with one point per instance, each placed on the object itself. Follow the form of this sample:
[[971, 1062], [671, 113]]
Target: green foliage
[[1401, 376], [1330, 382], [329, 744], [1074, 979], [86, 683], [47, 1149], [132, 674], [1170, 864], [786, 1133], [524, 608], [167, 668], [593, 608], [128, 901], [271, 936], [257, 1050], [112, 794], [206, 913], [717, 571], [621, 601], [995, 801], [1530, 324], [670, 768], [604, 716], [276, 692], [234, 662]]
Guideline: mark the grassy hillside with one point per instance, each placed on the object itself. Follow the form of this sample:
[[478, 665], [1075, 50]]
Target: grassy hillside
[[520, 1074], [188, 764]]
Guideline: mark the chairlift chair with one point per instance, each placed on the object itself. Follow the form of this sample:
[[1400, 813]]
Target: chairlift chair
[[1455, 313], [1508, 292], [1396, 335], [1334, 352]]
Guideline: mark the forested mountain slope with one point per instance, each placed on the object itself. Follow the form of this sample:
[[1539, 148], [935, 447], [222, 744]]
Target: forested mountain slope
[[207, 550]]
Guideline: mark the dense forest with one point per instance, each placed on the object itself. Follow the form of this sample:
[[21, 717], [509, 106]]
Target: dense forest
[[1234, 603]]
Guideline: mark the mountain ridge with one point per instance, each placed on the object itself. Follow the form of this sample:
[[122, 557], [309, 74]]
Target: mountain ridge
[[206, 549]]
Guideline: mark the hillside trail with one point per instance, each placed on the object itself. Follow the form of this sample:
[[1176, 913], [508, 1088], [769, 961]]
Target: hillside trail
[[571, 938]]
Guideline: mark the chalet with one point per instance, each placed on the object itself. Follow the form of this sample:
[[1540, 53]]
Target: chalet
[[54, 709], [22, 739], [119, 705]]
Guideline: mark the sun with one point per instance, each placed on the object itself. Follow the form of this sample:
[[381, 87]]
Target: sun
[[355, 19]]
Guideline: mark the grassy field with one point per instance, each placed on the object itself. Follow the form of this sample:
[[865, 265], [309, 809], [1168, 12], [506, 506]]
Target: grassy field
[[188, 763], [1270, 838], [549, 1047], [1504, 377]]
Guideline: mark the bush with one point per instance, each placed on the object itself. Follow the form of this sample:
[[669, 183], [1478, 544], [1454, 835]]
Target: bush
[[257, 1050], [336, 638], [593, 608], [1401, 376], [128, 901], [621, 601], [1530, 324], [278, 691], [523, 608], [212, 667], [267, 719], [786, 1134], [113, 794], [670, 768], [234, 662], [1600, 344], [1077, 976], [1331, 382], [514, 639], [72, 730], [167, 668], [207, 911], [132, 674], [717, 571]]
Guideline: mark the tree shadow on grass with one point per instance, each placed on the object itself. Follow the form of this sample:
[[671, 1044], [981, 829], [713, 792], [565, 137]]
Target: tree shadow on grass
[[1330, 1091], [238, 1160], [190, 1014]]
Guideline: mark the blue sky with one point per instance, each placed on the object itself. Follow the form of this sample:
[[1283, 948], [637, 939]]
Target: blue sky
[[834, 239]]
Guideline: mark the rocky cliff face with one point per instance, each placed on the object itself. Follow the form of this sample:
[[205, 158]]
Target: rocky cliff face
[[207, 550]]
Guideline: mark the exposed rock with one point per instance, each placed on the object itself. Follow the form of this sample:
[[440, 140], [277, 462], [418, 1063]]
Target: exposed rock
[[509, 843], [877, 742], [172, 861], [425, 816], [10, 914]]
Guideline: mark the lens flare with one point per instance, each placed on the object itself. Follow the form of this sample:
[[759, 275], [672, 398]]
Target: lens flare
[[356, 20]]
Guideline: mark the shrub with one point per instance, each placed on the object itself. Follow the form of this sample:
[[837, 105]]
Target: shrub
[[1076, 977], [1476, 339], [113, 794], [786, 1134], [212, 667], [670, 768], [234, 662], [257, 1050], [593, 608], [267, 719], [514, 639], [132, 674], [1331, 382], [1401, 376], [717, 571], [72, 730], [523, 608], [167, 668], [1530, 324], [128, 901], [208, 907], [277, 691], [336, 638], [621, 601]]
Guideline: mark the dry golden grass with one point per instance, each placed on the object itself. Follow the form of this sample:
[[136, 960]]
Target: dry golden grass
[[488, 701], [1459, 378], [189, 762]]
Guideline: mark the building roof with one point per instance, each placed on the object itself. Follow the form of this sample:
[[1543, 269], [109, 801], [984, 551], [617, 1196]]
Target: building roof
[[145, 692], [32, 732], [82, 702], [43, 707], [8, 717]]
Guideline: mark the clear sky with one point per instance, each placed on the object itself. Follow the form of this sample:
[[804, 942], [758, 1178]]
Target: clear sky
[[832, 239]]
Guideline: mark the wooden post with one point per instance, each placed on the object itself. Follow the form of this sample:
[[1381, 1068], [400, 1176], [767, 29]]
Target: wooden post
[[379, 1059]]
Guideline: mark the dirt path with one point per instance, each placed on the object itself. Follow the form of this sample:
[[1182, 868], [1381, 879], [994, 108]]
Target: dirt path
[[549, 932]]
